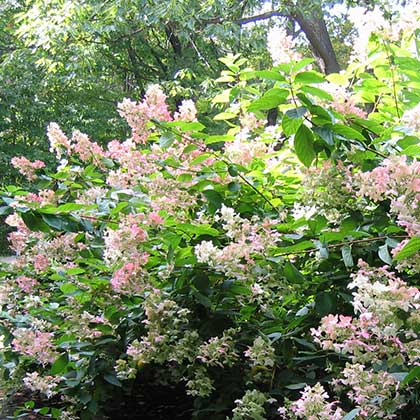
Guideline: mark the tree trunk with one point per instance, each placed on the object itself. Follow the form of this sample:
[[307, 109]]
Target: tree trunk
[[315, 29]]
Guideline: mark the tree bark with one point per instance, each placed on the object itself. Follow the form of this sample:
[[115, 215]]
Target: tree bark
[[313, 25]]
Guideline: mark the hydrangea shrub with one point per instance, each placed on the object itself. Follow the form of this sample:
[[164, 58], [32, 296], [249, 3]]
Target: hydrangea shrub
[[218, 254]]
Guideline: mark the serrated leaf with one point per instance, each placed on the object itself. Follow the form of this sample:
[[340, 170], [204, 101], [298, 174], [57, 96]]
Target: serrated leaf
[[320, 93], [200, 158], [222, 98], [296, 386], [221, 138], [34, 222], [304, 145], [412, 150], [197, 229], [410, 248]]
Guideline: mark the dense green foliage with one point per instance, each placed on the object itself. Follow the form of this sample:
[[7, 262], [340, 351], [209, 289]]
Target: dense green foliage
[[206, 254]]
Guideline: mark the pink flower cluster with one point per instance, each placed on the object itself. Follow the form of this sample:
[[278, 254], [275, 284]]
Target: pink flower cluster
[[58, 140], [43, 198], [380, 335], [314, 405], [41, 262], [85, 148], [248, 240], [347, 106], [27, 284], [20, 238], [130, 278], [138, 114], [79, 143], [26, 167], [36, 344], [377, 394], [123, 242], [399, 181]]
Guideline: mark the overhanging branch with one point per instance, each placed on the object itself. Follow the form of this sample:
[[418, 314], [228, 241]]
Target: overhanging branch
[[245, 20]]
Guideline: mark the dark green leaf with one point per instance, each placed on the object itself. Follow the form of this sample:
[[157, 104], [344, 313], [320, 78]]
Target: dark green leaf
[[348, 132], [60, 364], [412, 375], [304, 145], [292, 273], [112, 379]]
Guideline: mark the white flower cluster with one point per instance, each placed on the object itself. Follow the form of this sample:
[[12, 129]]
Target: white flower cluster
[[44, 384]]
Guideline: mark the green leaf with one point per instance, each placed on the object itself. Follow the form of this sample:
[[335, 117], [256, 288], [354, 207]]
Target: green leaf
[[290, 125], [324, 303], [300, 385], [222, 116], [60, 364], [166, 140], [200, 158], [233, 170], [187, 125], [412, 375], [384, 254], [352, 414], [347, 257], [304, 145], [292, 273], [217, 139], [413, 150], [271, 99], [348, 132], [320, 93], [197, 230], [222, 98], [325, 134], [309, 77], [34, 222], [69, 289], [112, 379], [300, 246], [214, 198], [297, 112], [410, 248], [270, 75], [62, 223]]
